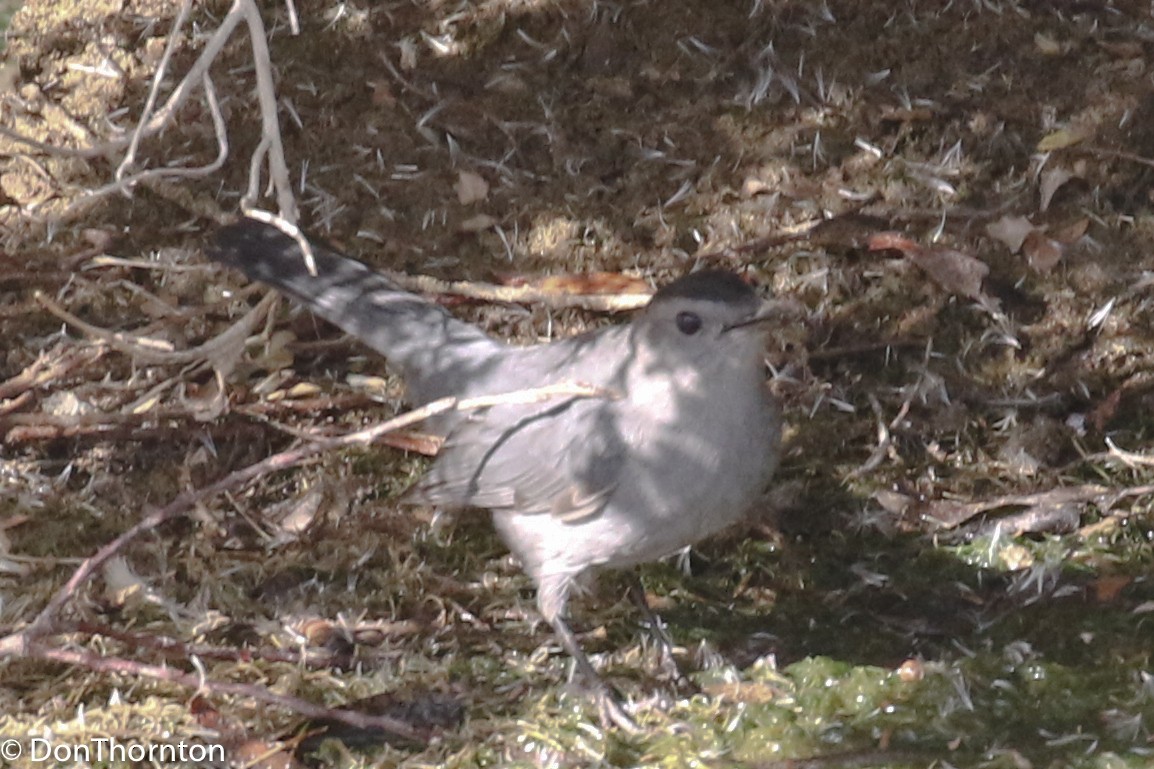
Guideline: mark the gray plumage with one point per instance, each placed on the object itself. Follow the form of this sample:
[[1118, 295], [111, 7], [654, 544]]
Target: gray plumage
[[573, 483]]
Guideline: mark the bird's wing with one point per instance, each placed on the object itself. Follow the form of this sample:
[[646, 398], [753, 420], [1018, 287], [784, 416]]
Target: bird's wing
[[563, 459]]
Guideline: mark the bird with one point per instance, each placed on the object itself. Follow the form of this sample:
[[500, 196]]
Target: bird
[[683, 442]]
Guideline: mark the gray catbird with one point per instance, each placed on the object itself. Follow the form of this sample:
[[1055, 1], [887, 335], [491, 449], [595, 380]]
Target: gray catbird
[[683, 445]]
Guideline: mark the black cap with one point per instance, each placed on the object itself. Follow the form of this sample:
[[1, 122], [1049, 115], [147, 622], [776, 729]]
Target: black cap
[[710, 285]]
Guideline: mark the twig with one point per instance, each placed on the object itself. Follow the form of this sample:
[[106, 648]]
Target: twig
[[885, 439], [1116, 154], [520, 294], [948, 514], [16, 428], [24, 643], [116, 665], [48, 368], [1129, 458], [172, 647], [270, 143], [42, 624], [154, 351], [285, 226], [153, 92], [152, 122]]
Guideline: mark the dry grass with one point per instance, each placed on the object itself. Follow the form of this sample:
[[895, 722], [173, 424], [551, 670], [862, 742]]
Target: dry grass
[[882, 613]]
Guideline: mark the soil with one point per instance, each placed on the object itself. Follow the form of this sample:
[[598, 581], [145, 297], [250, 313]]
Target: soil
[[954, 197]]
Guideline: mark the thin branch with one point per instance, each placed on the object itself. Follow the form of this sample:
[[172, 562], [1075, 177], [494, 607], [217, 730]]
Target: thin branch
[[153, 93], [155, 351], [201, 684], [270, 142], [18, 642]]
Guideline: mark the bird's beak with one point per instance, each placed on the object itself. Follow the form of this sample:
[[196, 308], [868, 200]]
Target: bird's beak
[[770, 311]]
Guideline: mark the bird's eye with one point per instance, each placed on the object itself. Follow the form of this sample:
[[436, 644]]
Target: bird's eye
[[688, 323]]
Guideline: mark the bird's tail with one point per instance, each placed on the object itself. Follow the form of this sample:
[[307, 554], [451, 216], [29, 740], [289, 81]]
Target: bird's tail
[[434, 352]]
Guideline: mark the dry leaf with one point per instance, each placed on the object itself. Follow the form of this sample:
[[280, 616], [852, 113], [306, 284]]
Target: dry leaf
[[1011, 231], [1107, 589], [1060, 139], [1042, 253], [893, 502], [892, 241], [303, 390], [1122, 49], [297, 514], [753, 186], [477, 223], [408, 48], [911, 670], [1047, 45], [1071, 232], [471, 188], [418, 443], [1051, 180], [121, 583], [99, 239], [1102, 528], [382, 94], [955, 271], [1015, 558]]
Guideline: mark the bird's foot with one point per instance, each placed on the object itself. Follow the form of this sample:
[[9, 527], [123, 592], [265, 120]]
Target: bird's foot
[[611, 710], [671, 670]]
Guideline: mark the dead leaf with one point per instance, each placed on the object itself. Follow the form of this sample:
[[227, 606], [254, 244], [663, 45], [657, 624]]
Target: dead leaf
[[1010, 231], [955, 271], [949, 513], [892, 241], [478, 223], [1060, 139], [317, 631], [911, 670], [419, 443], [1108, 588], [1071, 232], [1105, 410], [753, 186], [1046, 45], [382, 94], [471, 188], [1122, 49], [1015, 558], [1042, 253], [1052, 179], [303, 390], [408, 48], [893, 502], [297, 514], [1102, 528], [121, 583]]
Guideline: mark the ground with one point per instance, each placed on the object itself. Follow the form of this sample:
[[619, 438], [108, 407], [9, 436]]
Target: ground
[[954, 566]]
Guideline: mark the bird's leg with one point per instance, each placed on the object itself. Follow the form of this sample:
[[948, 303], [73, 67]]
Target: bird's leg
[[609, 706], [660, 635]]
